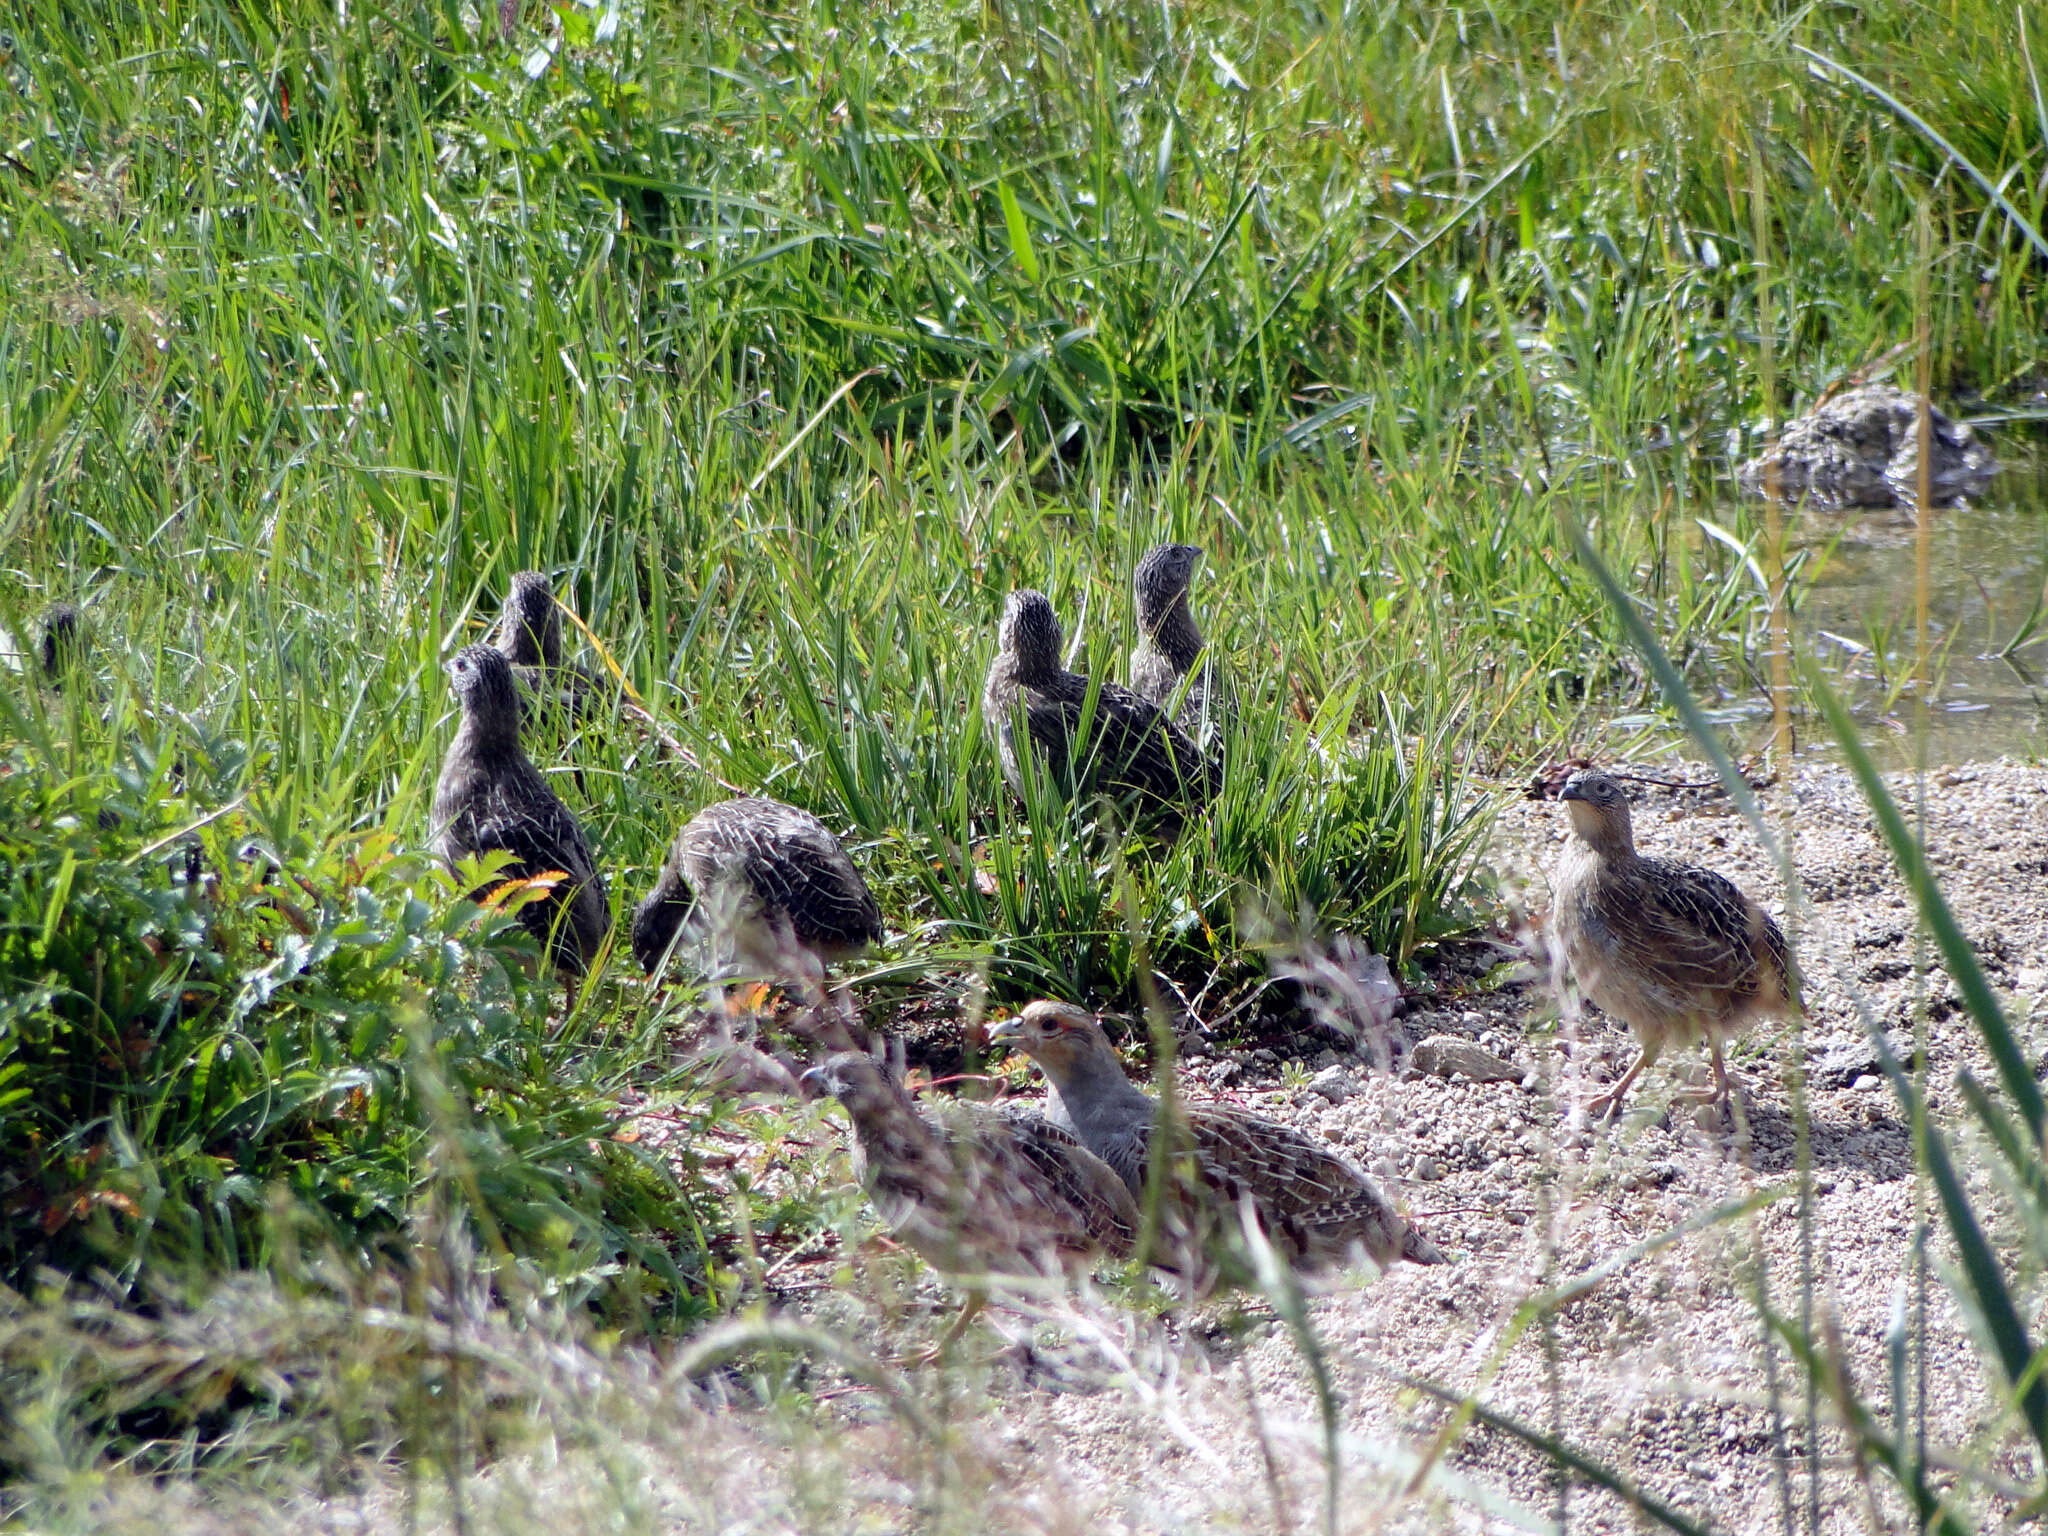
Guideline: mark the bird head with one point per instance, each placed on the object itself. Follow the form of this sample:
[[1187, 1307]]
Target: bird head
[[484, 686], [1062, 1039], [657, 918], [1031, 633], [1598, 807], [530, 630], [852, 1078], [1162, 579]]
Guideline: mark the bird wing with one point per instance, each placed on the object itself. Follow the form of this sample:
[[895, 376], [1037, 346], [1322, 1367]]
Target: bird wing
[[791, 860], [1697, 930], [1132, 745], [521, 815], [1288, 1175], [1081, 1181]]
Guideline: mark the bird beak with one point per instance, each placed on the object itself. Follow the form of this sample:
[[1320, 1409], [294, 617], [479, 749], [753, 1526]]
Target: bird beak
[[813, 1083], [1570, 792], [1006, 1029]]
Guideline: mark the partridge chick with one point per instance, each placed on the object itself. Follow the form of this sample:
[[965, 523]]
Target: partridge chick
[[974, 1192], [490, 798], [1676, 951], [529, 635], [1314, 1207], [768, 883], [1132, 750], [61, 646], [1169, 646]]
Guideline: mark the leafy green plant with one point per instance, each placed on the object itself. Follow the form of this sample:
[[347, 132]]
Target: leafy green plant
[[203, 1019]]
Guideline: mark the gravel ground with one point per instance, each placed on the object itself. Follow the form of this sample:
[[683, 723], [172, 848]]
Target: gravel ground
[[1111, 1418], [1659, 1371]]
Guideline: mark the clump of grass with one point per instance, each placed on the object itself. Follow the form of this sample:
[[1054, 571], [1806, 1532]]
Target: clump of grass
[[208, 1012], [790, 341]]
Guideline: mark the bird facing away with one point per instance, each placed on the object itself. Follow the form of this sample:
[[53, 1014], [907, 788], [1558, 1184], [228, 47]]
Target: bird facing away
[[768, 883], [61, 647], [490, 798], [1315, 1208], [1675, 951], [1169, 645], [975, 1192], [1132, 748], [529, 635]]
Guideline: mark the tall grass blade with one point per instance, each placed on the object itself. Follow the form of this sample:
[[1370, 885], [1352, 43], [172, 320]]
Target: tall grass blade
[[1991, 189]]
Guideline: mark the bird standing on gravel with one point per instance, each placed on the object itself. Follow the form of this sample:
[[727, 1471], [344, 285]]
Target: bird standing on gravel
[[491, 799], [1170, 647], [767, 882], [974, 1192], [1131, 748], [529, 635], [1674, 950], [1315, 1208]]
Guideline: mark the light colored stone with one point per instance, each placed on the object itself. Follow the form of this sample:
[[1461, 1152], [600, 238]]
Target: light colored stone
[[1453, 1056], [1334, 1084]]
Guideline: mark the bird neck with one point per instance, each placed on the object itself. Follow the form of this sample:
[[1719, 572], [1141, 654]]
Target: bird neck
[[892, 1135], [490, 731], [532, 640], [1175, 634], [1610, 834], [1036, 665], [1092, 1088]]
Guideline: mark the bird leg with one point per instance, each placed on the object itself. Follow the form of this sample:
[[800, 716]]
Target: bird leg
[[1608, 1104], [932, 1354], [1721, 1092]]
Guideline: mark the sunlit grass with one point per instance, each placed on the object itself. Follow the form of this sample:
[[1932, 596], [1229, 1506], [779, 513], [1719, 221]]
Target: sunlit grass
[[790, 341]]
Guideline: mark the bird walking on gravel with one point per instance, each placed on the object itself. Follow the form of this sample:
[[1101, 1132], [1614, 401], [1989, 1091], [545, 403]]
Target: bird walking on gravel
[[768, 883], [1314, 1206], [491, 799], [529, 635], [975, 1192], [1131, 748], [1676, 951], [1170, 647]]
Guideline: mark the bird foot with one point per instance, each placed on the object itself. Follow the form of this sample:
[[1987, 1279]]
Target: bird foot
[[1710, 1111], [1606, 1107]]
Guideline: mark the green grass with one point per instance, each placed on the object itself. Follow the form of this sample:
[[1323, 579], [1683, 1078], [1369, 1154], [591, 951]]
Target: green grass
[[790, 342]]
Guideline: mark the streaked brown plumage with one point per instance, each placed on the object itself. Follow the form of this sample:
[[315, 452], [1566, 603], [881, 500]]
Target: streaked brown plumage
[[1314, 1207], [1133, 750], [1677, 952], [1169, 646], [767, 881], [973, 1191], [490, 798]]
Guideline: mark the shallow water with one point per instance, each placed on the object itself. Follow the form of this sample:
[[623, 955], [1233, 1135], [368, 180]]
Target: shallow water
[[1989, 581]]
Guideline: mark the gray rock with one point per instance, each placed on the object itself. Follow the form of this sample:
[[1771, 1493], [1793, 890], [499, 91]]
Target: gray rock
[[1334, 1084], [1862, 449], [1453, 1056], [1839, 1062]]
